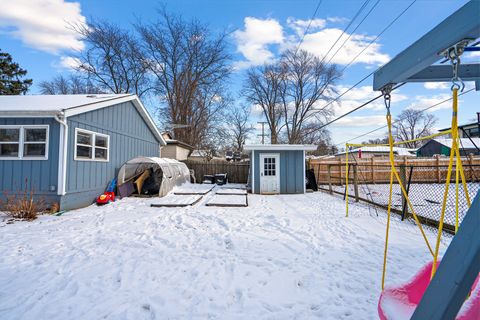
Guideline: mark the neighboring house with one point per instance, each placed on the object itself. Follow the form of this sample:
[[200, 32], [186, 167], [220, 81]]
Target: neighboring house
[[376, 151], [68, 147], [442, 146], [277, 168], [471, 130], [175, 149]]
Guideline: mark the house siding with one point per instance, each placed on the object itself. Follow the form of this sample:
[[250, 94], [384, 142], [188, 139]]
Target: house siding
[[39, 175], [292, 177], [130, 137]]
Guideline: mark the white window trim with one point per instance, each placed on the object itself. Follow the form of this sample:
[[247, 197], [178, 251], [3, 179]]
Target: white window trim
[[21, 141], [94, 134]]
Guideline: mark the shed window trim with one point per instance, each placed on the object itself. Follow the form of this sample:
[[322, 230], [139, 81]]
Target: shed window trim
[[21, 142], [92, 145]]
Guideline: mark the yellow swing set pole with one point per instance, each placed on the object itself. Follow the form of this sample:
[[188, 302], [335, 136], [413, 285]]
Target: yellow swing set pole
[[389, 208], [453, 153]]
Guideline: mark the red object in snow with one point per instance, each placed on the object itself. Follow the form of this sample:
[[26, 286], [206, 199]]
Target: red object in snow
[[106, 197], [400, 302]]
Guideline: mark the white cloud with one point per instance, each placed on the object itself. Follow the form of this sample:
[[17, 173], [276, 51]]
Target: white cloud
[[43, 25], [361, 121], [436, 85], [422, 102], [320, 42], [69, 62], [299, 26], [337, 19], [253, 42]]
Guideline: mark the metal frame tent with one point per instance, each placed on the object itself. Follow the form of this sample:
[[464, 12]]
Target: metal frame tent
[[461, 263]]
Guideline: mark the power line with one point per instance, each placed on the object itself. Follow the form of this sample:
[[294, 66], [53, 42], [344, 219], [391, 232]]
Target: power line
[[346, 91], [363, 50], [308, 27], [358, 108], [365, 3], [353, 31], [378, 36], [383, 127]]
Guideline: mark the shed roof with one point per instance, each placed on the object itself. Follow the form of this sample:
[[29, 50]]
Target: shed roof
[[70, 105], [465, 143], [279, 147]]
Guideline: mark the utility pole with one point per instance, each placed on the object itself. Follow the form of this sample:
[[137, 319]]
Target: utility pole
[[263, 135]]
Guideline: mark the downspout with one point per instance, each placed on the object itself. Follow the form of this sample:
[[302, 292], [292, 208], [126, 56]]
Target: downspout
[[62, 153]]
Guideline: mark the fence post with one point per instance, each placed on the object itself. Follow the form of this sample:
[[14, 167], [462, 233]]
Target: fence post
[[341, 171], [372, 173], [355, 182], [438, 168], [329, 168], [470, 161], [403, 180]]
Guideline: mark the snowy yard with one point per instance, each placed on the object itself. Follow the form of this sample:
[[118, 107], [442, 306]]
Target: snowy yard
[[283, 257]]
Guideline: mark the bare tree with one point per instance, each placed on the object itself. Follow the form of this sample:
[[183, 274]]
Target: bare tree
[[239, 127], [264, 87], [307, 82], [383, 140], [113, 59], [190, 65], [413, 124], [74, 84]]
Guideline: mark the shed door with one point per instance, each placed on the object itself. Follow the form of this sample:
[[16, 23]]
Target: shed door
[[269, 173]]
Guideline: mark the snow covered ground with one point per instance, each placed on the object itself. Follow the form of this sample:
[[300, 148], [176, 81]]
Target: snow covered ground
[[283, 257]]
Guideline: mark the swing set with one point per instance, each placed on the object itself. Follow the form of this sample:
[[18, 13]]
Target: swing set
[[449, 39]]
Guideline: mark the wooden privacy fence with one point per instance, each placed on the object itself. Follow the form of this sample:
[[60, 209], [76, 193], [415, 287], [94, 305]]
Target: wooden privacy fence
[[236, 172], [422, 178], [377, 170]]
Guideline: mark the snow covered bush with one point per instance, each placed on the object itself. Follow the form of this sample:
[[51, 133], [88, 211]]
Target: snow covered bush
[[23, 204]]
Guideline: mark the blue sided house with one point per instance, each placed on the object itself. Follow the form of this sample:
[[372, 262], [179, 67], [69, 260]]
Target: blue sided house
[[277, 168], [67, 148]]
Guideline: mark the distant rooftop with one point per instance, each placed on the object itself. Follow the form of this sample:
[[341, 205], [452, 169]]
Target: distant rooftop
[[465, 143], [382, 149]]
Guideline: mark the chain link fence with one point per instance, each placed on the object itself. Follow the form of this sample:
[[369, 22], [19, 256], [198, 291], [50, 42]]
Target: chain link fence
[[425, 185]]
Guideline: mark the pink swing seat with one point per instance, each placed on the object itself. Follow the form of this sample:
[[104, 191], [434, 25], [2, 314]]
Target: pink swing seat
[[399, 303]]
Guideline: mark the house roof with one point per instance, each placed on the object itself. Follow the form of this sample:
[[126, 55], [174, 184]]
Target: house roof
[[179, 143], [279, 147], [465, 143], [70, 105], [461, 126], [199, 153], [382, 149]]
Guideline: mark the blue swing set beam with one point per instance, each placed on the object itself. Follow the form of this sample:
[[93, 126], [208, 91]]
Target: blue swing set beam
[[415, 63], [461, 263]]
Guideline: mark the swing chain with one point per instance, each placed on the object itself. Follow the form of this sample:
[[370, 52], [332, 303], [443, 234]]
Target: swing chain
[[453, 54], [387, 97]]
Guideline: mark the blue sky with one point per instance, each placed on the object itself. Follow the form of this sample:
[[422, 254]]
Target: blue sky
[[35, 33]]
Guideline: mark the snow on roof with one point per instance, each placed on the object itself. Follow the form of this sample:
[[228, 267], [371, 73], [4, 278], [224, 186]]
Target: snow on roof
[[305, 147], [69, 105], [382, 149], [465, 143], [52, 103], [199, 153]]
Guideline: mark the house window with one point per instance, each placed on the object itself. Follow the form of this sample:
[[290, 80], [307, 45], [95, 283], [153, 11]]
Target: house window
[[24, 142], [91, 146]]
